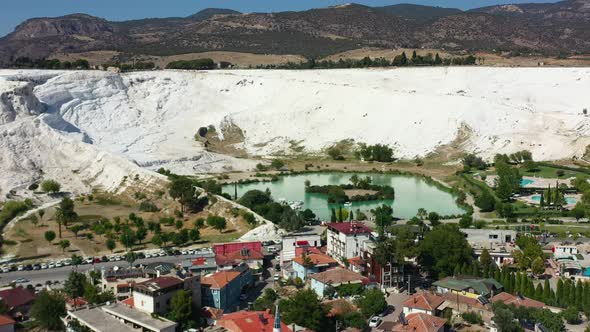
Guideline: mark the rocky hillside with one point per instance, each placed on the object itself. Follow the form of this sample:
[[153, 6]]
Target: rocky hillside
[[553, 28]]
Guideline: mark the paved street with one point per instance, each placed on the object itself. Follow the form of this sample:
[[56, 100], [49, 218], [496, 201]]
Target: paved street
[[60, 274], [395, 300]]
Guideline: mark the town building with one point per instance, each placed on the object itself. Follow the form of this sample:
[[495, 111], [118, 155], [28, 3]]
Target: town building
[[486, 238], [221, 290], [345, 239], [291, 243], [18, 302], [120, 281], [426, 303], [468, 286], [388, 275], [459, 303], [565, 249], [517, 300], [321, 282], [249, 321], [253, 258], [307, 264], [502, 255], [117, 317], [202, 262], [420, 322], [154, 295]]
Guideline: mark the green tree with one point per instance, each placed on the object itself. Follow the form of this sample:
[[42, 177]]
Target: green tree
[[466, 221], [304, 309], [47, 310], [64, 244], [157, 240], [277, 164], [182, 189], [217, 222], [74, 285], [65, 214], [141, 234], [266, 301], [50, 186], [49, 236], [111, 244], [442, 249], [538, 266], [508, 180], [76, 229], [486, 262], [127, 238], [181, 308], [383, 217], [371, 302], [434, 219]]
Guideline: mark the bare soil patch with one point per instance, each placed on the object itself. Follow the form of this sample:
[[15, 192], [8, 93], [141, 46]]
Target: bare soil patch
[[359, 192]]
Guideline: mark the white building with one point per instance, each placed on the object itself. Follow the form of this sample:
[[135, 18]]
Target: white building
[[487, 238], [292, 242], [345, 239], [565, 249], [154, 295]]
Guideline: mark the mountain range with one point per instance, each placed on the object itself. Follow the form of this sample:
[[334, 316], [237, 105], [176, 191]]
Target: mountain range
[[547, 28]]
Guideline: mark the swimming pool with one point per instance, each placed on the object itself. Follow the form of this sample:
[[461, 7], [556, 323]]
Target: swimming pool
[[525, 182], [568, 199]]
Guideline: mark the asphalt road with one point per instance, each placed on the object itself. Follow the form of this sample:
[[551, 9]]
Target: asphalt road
[[61, 273]]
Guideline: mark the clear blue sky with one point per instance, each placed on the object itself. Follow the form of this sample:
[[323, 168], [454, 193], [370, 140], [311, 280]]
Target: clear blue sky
[[14, 12]]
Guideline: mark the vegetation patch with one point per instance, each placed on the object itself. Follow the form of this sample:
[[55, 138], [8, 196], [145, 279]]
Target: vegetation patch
[[337, 193]]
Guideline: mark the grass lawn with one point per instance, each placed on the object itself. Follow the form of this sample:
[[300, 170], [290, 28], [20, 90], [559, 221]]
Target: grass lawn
[[551, 173]]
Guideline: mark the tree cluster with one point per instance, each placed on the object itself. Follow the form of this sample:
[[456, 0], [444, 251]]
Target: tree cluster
[[400, 60], [377, 152], [262, 203], [25, 62], [197, 64]]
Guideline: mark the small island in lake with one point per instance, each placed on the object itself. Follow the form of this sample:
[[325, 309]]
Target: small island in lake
[[359, 190]]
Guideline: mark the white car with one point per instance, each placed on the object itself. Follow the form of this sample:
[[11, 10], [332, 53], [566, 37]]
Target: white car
[[43, 266], [89, 260], [20, 268], [148, 255], [5, 269], [51, 265], [277, 277], [68, 262], [20, 280], [184, 252], [162, 253], [191, 252], [118, 258], [374, 321], [59, 264]]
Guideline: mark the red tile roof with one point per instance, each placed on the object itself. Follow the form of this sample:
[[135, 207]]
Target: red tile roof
[[424, 301], [77, 302], [309, 250], [249, 321], [419, 322], [356, 261], [15, 297], [228, 248], [212, 313], [161, 282], [338, 276], [512, 299], [130, 302], [219, 279], [316, 259], [6, 320], [239, 256], [349, 228]]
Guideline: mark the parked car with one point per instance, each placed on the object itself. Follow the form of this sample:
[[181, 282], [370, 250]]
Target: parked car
[[104, 259], [28, 267], [148, 255], [20, 268], [177, 253], [277, 277], [374, 321], [89, 260], [58, 264], [51, 265], [140, 255], [36, 266], [20, 280], [43, 266]]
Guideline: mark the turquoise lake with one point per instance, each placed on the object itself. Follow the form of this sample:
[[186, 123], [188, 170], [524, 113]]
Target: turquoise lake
[[411, 193]]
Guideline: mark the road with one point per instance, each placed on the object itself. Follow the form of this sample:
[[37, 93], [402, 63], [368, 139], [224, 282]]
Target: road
[[60, 274]]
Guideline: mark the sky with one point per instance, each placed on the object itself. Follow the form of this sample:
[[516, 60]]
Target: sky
[[14, 12]]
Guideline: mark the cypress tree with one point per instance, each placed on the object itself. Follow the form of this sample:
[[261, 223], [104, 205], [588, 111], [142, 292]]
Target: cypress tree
[[475, 269], [547, 292], [549, 196], [567, 285], [530, 289], [560, 292], [498, 277], [511, 277], [586, 302], [517, 284], [539, 293], [572, 294], [523, 283], [457, 270], [340, 215], [580, 294], [333, 215], [553, 298]]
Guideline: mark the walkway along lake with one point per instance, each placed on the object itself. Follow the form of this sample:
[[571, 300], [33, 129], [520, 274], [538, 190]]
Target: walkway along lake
[[411, 193]]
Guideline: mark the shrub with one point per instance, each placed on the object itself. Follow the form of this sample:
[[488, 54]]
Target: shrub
[[571, 316], [50, 186], [472, 318], [12, 209], [34, 186], [148, 206]]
